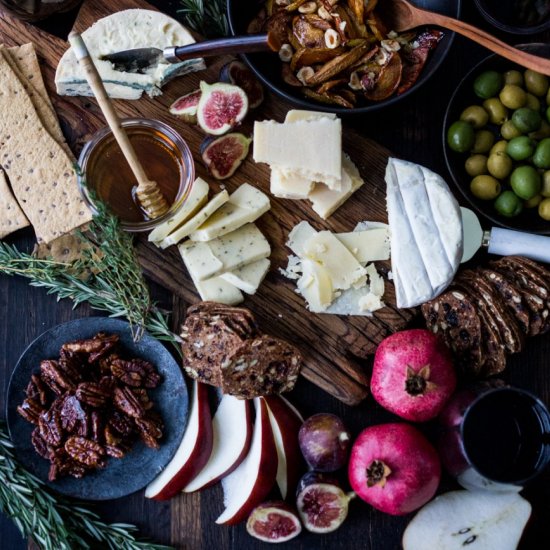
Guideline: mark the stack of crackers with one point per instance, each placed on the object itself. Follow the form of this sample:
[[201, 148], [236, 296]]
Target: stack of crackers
[[38, 184]]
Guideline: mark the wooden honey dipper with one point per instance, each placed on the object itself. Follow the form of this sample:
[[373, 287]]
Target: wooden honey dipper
[[147, 192]]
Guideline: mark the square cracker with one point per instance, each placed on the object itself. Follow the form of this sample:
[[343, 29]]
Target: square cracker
[[40, 171], [12, 217]]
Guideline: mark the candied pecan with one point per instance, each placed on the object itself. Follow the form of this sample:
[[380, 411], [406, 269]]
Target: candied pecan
[[30, 410], [37, 390], [72, 367], [71, 412], [108, 384], [54, 377], [135, 373], [143, 396], [121, 423], [85, 451], [128, 403], [114, 451], [104, 363], [40, 446], [95, 347], [62, 464], [49, 423], [109, 437], [97, 422], [92, 394], [150, 430]]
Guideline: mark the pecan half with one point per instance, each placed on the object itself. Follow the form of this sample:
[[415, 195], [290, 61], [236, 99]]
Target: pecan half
[[136, 373], [143, 396], [37, 390], [121, 424], [114, 451], [54, 377], [150, 430], [95, 347], [71, 412], [92, 394], [49, 424], [30, 410], [86, 451], [97, 422], [40, 446], [110, 437], [62, 464], [128, 403]]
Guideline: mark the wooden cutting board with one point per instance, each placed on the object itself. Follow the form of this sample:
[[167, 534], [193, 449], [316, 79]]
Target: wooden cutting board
[[334, 347]]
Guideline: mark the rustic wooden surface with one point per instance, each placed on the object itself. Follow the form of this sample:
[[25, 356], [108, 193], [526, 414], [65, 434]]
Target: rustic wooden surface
[[411, 129]]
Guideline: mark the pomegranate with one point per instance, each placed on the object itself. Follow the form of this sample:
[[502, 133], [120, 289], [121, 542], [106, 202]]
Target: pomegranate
[[394, 468], [413, 375]]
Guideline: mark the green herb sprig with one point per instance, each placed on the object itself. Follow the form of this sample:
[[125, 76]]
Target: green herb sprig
[[207, 17]]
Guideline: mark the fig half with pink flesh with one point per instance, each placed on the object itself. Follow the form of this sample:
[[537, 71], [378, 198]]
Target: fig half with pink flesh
[[186, 106], [273, 521], [236, 72], [223, 155]]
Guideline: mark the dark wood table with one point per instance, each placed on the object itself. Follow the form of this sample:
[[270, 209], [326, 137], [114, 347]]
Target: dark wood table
[[412, 130]]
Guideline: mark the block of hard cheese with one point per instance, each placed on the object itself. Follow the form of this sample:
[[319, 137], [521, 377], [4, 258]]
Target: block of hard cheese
[[12, 217], [289, 185], [248, 277], [311, 148], [295, 115]]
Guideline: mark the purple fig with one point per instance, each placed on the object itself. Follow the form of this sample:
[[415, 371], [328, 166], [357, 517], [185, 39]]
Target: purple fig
[[186, 106], [273, 521], [236, 72], [223, 155]]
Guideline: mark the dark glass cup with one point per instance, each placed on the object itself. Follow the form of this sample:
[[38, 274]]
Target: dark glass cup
[[495, 437], [37, 10]]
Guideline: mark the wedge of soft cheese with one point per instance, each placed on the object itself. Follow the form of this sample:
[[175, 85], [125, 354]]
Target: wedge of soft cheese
[[248, 277], [315, 285], [127, 30], [196, 221], [289, 185], [372, 245], [296, 115], [325, 201], [196, 199], [200, 260], [310, 148], [244, 206]]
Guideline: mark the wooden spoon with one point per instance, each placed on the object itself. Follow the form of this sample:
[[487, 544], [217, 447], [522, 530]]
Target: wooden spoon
[[403, 16], [147, 192]]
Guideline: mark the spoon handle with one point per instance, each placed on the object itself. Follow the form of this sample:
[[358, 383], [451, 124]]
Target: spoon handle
[[530, 61]]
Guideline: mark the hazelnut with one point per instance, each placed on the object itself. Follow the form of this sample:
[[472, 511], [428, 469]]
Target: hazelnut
[[323, 13], [390, 45], [332, 39], [308, 7], [354, 81], [304, 74], [285, 53]]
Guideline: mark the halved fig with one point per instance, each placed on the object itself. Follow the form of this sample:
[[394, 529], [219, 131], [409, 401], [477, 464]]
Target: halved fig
[[311, 56], [221, 107], [223, 155], [322, 504], [273, 521], [388, 80], [236, 72], [186, 106]]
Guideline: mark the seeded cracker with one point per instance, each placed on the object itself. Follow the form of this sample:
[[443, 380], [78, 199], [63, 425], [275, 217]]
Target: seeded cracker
[[40, 172], [11, 215]]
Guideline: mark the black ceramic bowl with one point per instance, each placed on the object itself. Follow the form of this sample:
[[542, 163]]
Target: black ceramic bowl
[[502, 15], [141, 464], [267, 66], [528, 220]]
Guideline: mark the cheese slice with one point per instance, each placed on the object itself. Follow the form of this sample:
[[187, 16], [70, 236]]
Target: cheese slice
[[315, 286], [218, 290], [248, 277], [196, 199], [376, 282], [326, 201], [126, 30], [289, 185], [299, 235], [200, 260], [295, 115], [310, 148], [196, 221], [372, 245], [344, 270], [348, 303], [231, 215]]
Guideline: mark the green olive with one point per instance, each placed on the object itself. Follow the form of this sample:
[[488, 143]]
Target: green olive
[[513, 77], [513, 96], [508, 204], [488, 84], [544, 209], [533, 202], [499, 146], [525, 182], [497, 111], [485, 187], [533, 102], [548, 112], [476, 115], [542, 132], [499, 165], [476, 165], [461, 136], [545, 189], [509, 131], [541, 158], [520, 148], [536, 83], [483, 141], [526, 120]]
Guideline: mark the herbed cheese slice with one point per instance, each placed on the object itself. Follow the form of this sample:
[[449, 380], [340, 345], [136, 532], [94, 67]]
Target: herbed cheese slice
[[196, 221], [310, 148], [295, 115], [245, 205], [196, 199], [315, 286], [199, 260], [372, 245], [289, 185], [248, 277]]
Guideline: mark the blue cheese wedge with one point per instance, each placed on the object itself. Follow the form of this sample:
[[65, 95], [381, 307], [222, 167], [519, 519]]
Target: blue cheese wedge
[[199, 260], [196, 199], [126, 30], [248, 277], [244, 206]]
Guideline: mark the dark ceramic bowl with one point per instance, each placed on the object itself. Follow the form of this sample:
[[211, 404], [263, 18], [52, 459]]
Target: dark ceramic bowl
[[501, 14], [267, 66], [141, 464], [464, 96]]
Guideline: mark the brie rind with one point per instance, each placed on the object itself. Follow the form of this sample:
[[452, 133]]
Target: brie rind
[[126, 30]]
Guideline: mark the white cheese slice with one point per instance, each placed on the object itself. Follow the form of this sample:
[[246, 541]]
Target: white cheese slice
[[248, 277], [326, 201], [218, 290], [348, 303], [196, 221], [372, 245], [289, 185], [342, 267], [315, 286], [376, 282], [231, 216], [126, 30], [370, 302], [299, 235], [310, 148], [293, 269], [295, 115], [199, 260], [197, 197]]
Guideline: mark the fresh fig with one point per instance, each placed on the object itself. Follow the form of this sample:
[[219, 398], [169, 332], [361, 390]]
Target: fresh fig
[[273, 521], [321, 502], [236, 72], [223, 155], [324, 442], [186, 106], [221, 107]]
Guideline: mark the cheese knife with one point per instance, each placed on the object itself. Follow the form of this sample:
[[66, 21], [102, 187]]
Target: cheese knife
[[504, 242], [140, 59]]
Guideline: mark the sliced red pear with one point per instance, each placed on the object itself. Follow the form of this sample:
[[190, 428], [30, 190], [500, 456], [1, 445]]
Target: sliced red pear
[[232, 431], [285, 422], [251, 482], [291, 407], [193, 451]]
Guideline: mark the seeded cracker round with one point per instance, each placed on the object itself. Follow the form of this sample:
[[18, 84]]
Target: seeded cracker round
[[262, 366], [240, 319]]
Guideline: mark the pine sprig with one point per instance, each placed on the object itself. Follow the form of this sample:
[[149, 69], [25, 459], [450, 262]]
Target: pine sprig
[[53, 522], [207, 17]]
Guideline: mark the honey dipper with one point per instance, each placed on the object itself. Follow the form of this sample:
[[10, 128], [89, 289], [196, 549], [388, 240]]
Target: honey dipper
[[147, 192]]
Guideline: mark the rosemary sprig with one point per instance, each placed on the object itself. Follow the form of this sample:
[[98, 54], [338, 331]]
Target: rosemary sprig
[[52, 521], [207, 17]]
